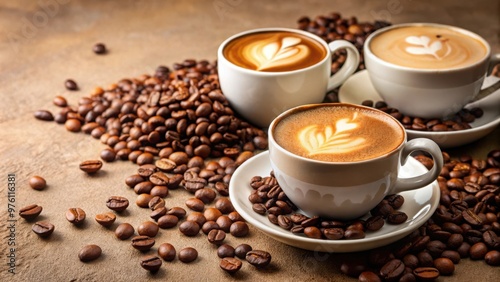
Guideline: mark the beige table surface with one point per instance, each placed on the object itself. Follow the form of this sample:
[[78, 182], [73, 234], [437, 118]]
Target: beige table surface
[[44, 42]]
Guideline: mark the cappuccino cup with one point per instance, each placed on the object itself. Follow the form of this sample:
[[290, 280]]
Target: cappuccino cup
[[426, 70], [264, 72], [338, 160]]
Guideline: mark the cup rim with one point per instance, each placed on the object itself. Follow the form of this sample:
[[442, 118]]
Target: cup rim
[[368, 52], [316, 38], [290, 154]]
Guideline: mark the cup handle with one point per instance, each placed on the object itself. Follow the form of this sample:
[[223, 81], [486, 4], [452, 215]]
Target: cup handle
[[421, 144], [350, 65]]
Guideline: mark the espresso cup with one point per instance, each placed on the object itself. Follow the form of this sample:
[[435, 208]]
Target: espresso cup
[[339, 160], [264, 72], [426, 70]]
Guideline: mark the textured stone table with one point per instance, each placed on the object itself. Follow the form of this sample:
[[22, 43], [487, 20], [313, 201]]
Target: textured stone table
[[44, 42]]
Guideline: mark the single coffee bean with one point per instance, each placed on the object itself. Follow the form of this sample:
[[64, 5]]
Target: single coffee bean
[[195, 204], [392, 270], [91, 166], [374, 223], [177, 211], [285, 222], [397, 217], [206, 195], [408, 277], [224, 223], [368, 276], [167, 251], [478, 251], [189, 228], [224, 205], [30, 212], [216, 236], [151, 263], [491, 239], [124, 231], [435, 248], [454, 256], [211, 214], [239, 229], [492, 258], [156, 202], [167, 221], [148, 228], [258, 258], [143, 243], [333, 233], [444, 265], [242, 250], [105, 219], [471, 217], [75, 215], [396, 201], [70, 84], [89, 253], [99, 48], [188, 254], [159, 178], [354, 233], [117, 203], [426, 273], [230, 264], [44, 115], [37, 182], [225, 250], [43, 228]]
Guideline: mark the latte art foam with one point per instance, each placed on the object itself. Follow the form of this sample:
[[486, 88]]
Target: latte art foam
[[427, 47], [338, 133], [274, 51]]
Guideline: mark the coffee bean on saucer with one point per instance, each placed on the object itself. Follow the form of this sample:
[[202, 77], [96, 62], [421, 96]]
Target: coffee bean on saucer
[[89, 253], [143, 243], [30, 212], [43, 228]]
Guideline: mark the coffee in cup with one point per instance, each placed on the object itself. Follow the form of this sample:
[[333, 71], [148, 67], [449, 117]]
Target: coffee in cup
[[426, 70], [266, 71], [339, 160]]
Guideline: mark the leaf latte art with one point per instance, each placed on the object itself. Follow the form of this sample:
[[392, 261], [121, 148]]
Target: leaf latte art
[[327, 140], [274, 51]]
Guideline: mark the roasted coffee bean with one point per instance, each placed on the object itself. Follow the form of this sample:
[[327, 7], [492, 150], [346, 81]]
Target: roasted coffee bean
[[91, 166], [134, 180], [225, 250], [492, 258], [455, 241], [37, 182], [222, 188], [177, 211], [117, 203], [426, 273], [397, 217], [160, 191], [235, 216], [285, 222], [211, 214], [124, 231], [30, 212], [258, 258], [224, 205], [157, 213], [151, 263], [313, 232], [105, 219], [148, 228], [206, 195], [435, 248], [99, 48], [143, 200], [491, 239], [241, 250], [239, 229], [259, 208], [224, 223], [167, 251], [89, 253], [146, 170], [298, 218], [471, 217], [43, 228], [333, 233], [374, 223], [189, 228], [70, 84], [444, 265], [368, 276], [143, 243], [230, 265], [167, 221], [392, 270], [156, 202], [75, 215], [159, 178], [354, 234], [188, 254], [396, 201], [195, 204], [108, 155], [209, 226], [216, 236], [44, 115], [478, 251]]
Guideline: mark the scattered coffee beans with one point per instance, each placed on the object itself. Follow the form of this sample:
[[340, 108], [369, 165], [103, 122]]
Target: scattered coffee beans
[[117, 203], [43, 228], [242, 250], [91, 166], [70, 84], [75, 215], [188, 254], [37, 182], [167, 251], [124, 231], [258, 258], [30, 212], [105, 219], [151, 263], [148, 228], [225, 250], [99, 48], [230, 264], [189, 228], [89, 253], [44, 115], [143, 243]]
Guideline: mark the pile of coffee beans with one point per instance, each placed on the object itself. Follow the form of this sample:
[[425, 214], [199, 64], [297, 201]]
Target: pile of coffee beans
[[333, 26], [458, 121], [269, 199], [465, 225]]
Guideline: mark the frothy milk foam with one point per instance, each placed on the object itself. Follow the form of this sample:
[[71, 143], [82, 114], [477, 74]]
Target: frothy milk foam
[[427, 47], [338, 133], [274, 51]]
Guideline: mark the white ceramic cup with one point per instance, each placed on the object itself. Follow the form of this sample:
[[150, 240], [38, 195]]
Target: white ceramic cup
[[347, 190], [261, 96], [426, 93]]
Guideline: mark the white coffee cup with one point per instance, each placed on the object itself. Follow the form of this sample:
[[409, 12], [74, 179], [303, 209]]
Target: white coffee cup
[[260, 96], [344, 189], [426, 92]]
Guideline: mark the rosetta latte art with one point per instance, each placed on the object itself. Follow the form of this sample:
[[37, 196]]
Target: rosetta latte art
[[328, 140], [267, 54]]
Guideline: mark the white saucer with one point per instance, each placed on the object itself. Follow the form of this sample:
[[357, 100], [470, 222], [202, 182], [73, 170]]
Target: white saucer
[[419, 205], [359, 88]]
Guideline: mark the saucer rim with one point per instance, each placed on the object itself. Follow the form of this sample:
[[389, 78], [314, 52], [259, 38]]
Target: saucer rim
[[333, 246]]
